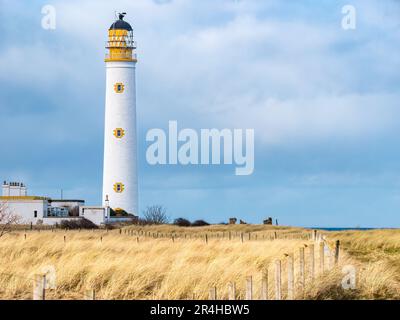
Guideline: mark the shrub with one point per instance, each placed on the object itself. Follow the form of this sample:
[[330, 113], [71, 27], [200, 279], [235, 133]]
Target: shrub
[[142, 222], [182, 222], [118, 213], [155, 215], [78, 224], [200, 223]]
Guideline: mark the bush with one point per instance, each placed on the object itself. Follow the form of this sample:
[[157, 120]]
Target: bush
[[118, 213], [155, 215], [78, 224], [200, 223], [142, 222], [182, 222]]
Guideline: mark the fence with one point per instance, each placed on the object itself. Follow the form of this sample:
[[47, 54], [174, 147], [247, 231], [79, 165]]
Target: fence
[[304, 261], [228, 235], [295, 282], [40, 288], [314, 235]]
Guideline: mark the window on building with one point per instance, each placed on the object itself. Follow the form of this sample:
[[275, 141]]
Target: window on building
[[35, 213]]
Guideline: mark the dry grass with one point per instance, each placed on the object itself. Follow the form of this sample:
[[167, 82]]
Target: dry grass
[[120, 268], [374, 246], [216, 228]]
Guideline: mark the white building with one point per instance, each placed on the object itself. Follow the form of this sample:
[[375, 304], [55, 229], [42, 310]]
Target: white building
[[43, 210], [14, 189], [120, 172]]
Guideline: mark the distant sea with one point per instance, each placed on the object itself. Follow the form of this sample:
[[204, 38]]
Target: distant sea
[[347, 229]]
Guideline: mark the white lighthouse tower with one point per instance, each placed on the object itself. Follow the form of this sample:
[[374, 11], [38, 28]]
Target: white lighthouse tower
[[120, 185]]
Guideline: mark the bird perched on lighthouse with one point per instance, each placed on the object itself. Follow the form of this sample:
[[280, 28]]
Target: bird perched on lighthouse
[[120, 186]]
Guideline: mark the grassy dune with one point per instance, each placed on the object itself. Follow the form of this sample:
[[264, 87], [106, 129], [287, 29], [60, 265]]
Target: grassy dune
[[374, 246], [119, 267]]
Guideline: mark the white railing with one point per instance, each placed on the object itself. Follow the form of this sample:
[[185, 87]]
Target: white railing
[[120, 44]]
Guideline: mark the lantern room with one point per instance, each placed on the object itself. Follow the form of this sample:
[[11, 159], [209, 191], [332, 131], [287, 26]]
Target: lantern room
[[120, 45]]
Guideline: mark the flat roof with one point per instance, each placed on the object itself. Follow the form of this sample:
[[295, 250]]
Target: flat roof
[[93, 207], [23, 198], [66, 200]]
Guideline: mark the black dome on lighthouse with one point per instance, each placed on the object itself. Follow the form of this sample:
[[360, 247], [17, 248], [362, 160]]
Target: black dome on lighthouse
[[121, 24]]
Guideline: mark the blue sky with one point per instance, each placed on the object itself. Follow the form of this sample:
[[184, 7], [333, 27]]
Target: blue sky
[[324, 104]]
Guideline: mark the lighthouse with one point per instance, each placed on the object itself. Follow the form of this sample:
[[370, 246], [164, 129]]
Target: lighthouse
[[120, 186]]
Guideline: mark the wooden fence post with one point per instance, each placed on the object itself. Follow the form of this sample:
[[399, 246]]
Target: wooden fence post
[[39, 287], [264, 286], [241, 236], [322, 257], [90, 295], [213, 293], [290, 270], [312, 261], [337, 251], [301, 270], [231, 291], [206, 238], [278, 280], [249, 288]]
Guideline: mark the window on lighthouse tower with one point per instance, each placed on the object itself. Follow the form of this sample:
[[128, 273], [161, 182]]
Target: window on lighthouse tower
[[119, 187], [119, 87], [119, 133]]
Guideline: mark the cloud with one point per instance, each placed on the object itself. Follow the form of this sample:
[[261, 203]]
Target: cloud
[[286, 69], [346, 118], [263, 74]]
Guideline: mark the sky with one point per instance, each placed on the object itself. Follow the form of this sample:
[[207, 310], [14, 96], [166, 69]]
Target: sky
[[324, 103]]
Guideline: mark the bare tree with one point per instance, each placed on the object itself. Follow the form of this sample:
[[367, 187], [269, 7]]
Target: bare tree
[[155, 214], [7, 219]]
